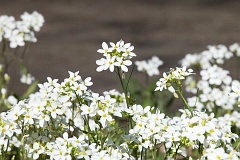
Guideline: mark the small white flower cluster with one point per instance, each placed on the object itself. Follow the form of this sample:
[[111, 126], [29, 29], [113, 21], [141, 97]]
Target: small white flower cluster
[[27, 79], [236, 91], [67, 106], [49, 106], [220, 153], [172, 77], [7, 100], [214, 55], [68, 121], [214, 88], [177, 133], [118, 55], [66, 148], [213, 85], [231, 119], [19, 32], [216, 75], [211, 98], [235, 48], [150, 67]]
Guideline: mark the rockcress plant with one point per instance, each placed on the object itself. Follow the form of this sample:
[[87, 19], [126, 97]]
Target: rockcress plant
[[150, 67], [20, 32], [14, 35], [66, 120], [216, 90]]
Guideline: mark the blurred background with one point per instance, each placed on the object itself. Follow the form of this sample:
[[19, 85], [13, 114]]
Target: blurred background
[[75, 29]]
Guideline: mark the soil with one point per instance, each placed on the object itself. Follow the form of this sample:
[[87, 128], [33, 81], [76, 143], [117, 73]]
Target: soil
[[75, 29]]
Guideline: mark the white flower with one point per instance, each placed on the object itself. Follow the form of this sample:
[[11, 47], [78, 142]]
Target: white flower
[[105, 49], [52, 82], [236, 91], [34, 20], [104, 117], [87, 81], [107, 100], [110, 63], [90, 110], [150, 67], [42, 119], [235, 48], [216, 153], [118, 54], [101, 62], [15, 141], [141, 65], [12, 100], [16, 112], [28, 118], [127, 51], [54, 110], [162, 83], [135, 109], [16, 39], [36, 150], [5, 130], [27, 79], [123, 64], [118, 46], [102, 155]]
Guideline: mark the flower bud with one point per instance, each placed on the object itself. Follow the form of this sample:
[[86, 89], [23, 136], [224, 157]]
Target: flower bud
[[6, 77], [3, 92]]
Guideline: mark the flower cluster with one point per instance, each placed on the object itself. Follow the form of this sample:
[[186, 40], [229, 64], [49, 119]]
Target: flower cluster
[[200, 132], [66, 120], [213, 89], [66, 147], [236, 91], [48, 107], [19, 32], [118, 55], [214, 83], [173, 77], [235, 48], [150, 67], [214, 55], [67, 106], [216, 90], [15, 34], [215, 75], [27, 79]]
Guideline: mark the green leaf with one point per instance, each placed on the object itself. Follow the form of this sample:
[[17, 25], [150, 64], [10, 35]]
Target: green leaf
[[30, 90]]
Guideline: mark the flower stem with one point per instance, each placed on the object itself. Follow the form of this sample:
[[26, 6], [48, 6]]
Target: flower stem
[[179, 90], [125, 94]]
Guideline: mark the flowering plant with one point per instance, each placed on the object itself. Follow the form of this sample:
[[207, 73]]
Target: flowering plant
[[66, 120], [13, 35]]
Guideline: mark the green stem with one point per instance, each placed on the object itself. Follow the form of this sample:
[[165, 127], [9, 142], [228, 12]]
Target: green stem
[[179, 90], [125, 94], [176, 153], [146, 80], [142, 154], [200, 150], [130, 77], [154, 151], [124, 89], [90, 134]]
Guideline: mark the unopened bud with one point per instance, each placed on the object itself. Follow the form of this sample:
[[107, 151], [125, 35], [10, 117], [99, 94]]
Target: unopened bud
[[6, 77], [128, 95], [175, 95], [1, 68], [3, 92]]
